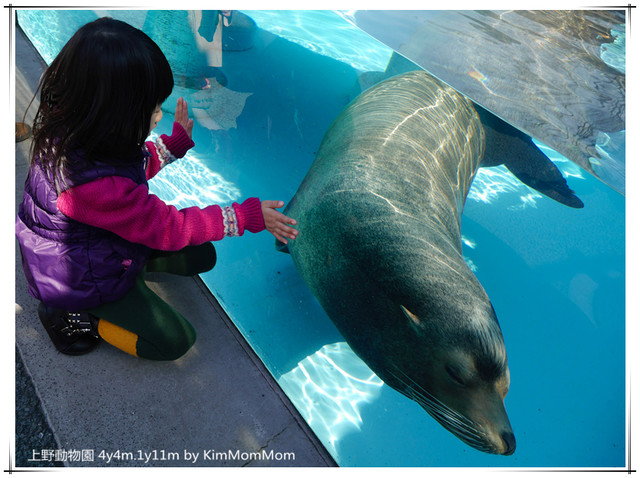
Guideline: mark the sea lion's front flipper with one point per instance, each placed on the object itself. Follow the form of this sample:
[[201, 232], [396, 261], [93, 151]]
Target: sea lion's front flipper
[[511, 147], [282, 247]]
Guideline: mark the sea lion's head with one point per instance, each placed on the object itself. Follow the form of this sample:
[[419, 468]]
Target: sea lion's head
[[454, 364]]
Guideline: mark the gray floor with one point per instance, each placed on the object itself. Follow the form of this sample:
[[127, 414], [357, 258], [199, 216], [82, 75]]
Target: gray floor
[[219, 396], [33, 433]]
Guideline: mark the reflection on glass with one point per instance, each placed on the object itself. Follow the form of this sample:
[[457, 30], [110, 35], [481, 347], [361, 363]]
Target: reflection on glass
[[547, 73]]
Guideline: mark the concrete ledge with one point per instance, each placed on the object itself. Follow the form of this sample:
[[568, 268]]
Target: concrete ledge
[[219, 396]]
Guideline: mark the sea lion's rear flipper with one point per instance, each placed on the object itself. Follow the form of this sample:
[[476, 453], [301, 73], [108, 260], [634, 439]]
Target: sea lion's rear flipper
[[282, 247], [511, 147], [539, 172]]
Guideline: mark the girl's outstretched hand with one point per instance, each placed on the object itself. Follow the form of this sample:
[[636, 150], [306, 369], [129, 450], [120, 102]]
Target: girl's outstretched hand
[[276, 222], [182, 116]]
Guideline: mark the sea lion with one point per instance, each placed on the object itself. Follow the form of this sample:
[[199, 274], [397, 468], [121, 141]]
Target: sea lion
[[379, 216]]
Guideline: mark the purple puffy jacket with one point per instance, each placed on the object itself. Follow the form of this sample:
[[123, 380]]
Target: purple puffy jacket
[[68, 264]]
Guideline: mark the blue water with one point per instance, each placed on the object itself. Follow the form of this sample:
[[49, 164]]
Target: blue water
[[555, 275]]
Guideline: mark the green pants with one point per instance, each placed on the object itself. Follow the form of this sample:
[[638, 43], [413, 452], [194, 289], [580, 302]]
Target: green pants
[[143, 324]]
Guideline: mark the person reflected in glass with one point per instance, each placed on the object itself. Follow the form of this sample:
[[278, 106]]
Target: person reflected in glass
[[208, 36]]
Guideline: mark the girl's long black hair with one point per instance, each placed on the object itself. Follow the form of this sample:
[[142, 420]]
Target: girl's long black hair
[[98, 96]]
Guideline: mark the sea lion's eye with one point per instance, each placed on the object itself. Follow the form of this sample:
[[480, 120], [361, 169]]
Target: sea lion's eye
[[454, 375]]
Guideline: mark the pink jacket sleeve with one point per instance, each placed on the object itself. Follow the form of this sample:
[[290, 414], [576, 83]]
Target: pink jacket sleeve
[[127, 209], [166, 149]]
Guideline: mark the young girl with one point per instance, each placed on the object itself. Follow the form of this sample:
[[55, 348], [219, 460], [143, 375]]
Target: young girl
[[88, 228]]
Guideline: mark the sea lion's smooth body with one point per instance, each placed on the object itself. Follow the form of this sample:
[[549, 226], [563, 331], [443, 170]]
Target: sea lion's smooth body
[[379, 217]]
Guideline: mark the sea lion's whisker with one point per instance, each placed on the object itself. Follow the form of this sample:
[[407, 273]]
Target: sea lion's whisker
[[433, 402], [453, 424], [427, 395], [449, 419], [472, 437], [445, 413], [454, 419]]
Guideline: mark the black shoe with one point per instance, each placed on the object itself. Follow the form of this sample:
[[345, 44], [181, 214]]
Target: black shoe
[[72, 333]]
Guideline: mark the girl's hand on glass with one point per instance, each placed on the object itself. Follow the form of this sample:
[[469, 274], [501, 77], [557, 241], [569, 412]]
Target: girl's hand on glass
[[277, 223], [182, 116]]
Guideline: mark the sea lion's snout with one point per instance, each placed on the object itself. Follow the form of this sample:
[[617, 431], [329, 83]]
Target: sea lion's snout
[[509, 440], [483, 438], [497, 431]]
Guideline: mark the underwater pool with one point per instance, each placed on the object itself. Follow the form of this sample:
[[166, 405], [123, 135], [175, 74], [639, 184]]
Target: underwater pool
[[555, 275]]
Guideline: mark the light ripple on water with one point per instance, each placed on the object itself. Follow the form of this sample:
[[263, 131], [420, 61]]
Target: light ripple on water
[[329, 388], [492, 183], [471, 244], [468, 242], [189, 182], [310, 29]]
